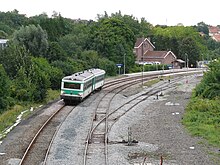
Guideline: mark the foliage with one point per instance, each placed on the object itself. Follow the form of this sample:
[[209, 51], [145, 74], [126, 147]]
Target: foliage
[[22, 88], [108, 66], [202, 118], [4, 89], [139, 28], [13, 58], [112, 38], [34, 38], [69, 66], [139, 68], [56, 74], [55, 52], [91, 58], [12, 20], [55, 27], [210, 84], [40, 79], [9, 117], [202, 27], [71, 44], [180, 40]]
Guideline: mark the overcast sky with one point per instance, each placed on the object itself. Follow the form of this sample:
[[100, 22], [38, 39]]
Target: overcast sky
[[169, 12]]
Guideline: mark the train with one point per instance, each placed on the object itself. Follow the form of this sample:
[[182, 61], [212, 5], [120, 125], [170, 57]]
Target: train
[[78, 86]]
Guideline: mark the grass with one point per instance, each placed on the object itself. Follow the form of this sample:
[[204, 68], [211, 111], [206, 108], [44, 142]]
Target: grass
[[151, 82], [8, 118], [202, 118]]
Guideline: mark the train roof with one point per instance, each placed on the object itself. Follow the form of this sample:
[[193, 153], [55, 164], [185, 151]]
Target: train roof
[[82, 76]]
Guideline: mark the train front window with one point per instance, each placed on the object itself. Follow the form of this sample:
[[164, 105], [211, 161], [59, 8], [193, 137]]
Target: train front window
[[71, 85]]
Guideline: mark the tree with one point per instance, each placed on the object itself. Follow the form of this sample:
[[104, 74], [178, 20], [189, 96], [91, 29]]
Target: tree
[[13, 57], [210, 84], [202, 27], [180, 40], [189, 48], [71, 44], [56, 27], [34, 38], [55, 52], [91, 58], [69, 66], [23, 89], [109, 36], [108, 66], [4, 89]]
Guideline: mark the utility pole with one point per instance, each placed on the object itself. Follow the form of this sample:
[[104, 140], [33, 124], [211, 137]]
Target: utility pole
[[143, 62], [124, 63]]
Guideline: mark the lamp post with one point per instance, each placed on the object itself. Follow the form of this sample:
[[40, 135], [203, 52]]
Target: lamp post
[[124, 63], [143, 63], [186, 61]]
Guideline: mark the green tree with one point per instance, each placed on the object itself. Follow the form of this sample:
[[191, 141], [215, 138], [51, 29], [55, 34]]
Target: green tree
[[71, 45], [180, 40], [55, 52], [4, 89], [202, 27], [23, 89], [34, 38], [189, 49], [91, 58], [13, 57], [13, 19], [40, 78], [56, 27], [108, 38], [210, 84], [69, 66], [108, 66]]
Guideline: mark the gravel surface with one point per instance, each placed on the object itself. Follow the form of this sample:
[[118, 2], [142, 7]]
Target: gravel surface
[[155, 124]]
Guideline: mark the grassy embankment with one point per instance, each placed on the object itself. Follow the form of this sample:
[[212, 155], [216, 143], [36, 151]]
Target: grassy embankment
[[202, 118], [8, 118]]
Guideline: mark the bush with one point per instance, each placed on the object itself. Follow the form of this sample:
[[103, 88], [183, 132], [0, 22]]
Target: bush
[[4, 89], [202, 118]]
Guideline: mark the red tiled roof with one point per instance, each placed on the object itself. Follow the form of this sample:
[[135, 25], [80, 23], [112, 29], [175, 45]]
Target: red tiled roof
[[213, 29], [139, 42], [216, 37], [157, 54]]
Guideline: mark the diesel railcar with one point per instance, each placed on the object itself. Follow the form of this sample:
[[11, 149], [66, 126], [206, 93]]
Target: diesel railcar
[[76, 87]]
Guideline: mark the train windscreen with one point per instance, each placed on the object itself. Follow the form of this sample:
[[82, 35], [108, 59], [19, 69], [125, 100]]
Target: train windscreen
[[71, 85]]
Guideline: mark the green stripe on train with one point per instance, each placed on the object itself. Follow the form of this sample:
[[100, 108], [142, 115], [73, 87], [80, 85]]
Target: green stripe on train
[[73, 92]]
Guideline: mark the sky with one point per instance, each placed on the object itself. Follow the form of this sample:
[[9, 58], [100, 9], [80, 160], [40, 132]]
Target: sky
[[163, 12]]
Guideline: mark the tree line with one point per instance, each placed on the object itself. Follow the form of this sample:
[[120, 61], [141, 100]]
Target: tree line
[[41, 49]]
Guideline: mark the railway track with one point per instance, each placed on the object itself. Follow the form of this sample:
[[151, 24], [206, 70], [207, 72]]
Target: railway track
[[37, 150], [141, 76], [96, 148]]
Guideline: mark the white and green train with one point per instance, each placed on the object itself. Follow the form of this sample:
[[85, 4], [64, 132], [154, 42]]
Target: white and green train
[[76, 87]]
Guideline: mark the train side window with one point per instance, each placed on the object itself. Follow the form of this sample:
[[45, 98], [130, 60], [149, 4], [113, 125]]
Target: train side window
[[99, 78]]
